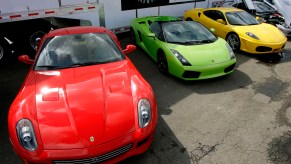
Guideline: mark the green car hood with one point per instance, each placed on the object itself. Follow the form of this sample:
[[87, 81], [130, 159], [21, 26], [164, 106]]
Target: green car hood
[[203, 54]]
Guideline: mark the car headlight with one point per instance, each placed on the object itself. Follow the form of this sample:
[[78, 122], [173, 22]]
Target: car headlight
[[180, 58], [26, 135], [144, 112], [231, 53], [252, 35]]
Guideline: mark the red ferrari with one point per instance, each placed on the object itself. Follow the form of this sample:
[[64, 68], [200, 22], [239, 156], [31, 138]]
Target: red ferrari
[[83, 101]]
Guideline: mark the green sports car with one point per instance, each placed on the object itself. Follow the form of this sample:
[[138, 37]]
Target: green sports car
[[185, 49]]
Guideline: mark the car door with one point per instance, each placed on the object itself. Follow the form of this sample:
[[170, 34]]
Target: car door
[[152, 42], [215, 19]]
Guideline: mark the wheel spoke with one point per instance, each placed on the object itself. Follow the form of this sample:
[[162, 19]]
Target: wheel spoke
[[233, 41]]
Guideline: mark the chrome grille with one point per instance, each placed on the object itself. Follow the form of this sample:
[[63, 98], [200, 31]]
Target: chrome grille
[[98, 159]]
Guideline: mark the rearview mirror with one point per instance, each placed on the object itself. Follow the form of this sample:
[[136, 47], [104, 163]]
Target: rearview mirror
[[221, 21], [212, 30], [25, 59], [260, 19], [129, 48], [151, 35]]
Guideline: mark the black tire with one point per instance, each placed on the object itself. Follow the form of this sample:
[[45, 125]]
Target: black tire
[[162, 63], [132, 36], [29, 44], [4, 51], [35, 39], [24, 41], [233, 41]]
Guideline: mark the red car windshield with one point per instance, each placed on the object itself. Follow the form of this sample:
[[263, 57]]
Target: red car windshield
[[69, 51]]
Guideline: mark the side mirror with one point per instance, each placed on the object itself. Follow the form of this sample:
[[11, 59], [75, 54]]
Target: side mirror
[[129, 48], [260, 19], [25, 59], [212, 30], [151, 35], [221, 21]]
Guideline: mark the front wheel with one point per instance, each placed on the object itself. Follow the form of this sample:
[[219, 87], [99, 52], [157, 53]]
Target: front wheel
[[233, 41], [162, 63]]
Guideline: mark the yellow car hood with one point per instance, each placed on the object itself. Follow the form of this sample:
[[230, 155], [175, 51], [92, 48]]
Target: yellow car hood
[[265, 32]]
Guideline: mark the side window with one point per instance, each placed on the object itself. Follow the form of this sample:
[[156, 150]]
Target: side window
[[219, 15], [215, 15], [209, 14], [157, 30]]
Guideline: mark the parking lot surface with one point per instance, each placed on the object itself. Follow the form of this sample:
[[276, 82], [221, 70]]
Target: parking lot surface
[[244, 117]]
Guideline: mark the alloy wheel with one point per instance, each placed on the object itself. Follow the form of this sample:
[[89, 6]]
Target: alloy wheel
[[234, 42]]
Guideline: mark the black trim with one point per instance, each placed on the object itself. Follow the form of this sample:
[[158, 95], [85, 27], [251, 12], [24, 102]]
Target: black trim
[[137, 4]]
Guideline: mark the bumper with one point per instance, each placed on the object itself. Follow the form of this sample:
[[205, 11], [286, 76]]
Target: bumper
[[112, 152], [204, 72], [261, 48]]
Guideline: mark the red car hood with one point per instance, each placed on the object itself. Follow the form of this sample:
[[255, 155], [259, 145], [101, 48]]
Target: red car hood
[[84, 106]]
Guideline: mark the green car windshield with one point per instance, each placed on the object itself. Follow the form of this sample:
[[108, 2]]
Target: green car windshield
[[187, 32], [242, 18], [77, 50]]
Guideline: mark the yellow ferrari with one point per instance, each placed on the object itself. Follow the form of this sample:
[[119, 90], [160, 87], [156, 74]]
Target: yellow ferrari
[[240, 29]]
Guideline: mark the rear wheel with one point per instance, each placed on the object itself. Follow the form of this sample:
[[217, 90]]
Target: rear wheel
[[162, 63], [26, 40], [233, 41], [35, 39]]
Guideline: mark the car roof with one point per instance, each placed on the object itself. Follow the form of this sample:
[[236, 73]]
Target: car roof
[[225, 9], [76, 30]]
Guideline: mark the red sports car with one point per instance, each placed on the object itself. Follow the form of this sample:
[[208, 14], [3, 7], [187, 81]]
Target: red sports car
[[83, 101]]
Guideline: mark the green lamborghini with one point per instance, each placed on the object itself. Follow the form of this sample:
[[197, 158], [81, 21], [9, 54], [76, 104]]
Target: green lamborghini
[[185, 49]]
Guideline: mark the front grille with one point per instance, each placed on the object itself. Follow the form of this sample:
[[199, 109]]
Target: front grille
[[98, 159], [263, 49], [228, 69], [191, 74]]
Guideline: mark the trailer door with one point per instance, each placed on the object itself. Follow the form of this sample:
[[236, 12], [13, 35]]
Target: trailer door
[[15, 6]]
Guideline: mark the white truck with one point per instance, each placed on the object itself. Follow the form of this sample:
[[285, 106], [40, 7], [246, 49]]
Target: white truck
[[24, 22]]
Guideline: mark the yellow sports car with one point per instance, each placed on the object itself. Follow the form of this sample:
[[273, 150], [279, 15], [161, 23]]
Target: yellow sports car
[[240, 29]]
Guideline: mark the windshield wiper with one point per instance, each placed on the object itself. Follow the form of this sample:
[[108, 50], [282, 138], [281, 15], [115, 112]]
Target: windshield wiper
[[198, 42], [72, 65], [50, 67], [207, 41], [193, 42]]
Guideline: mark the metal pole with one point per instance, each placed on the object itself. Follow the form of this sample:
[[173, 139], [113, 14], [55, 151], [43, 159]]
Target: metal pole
[[136, 13], [60, 3]]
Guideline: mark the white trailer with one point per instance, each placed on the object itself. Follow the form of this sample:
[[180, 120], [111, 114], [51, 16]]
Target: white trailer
[[24, 22]]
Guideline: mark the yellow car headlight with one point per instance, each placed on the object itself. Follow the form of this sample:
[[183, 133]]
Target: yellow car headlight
[[252, 35]]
